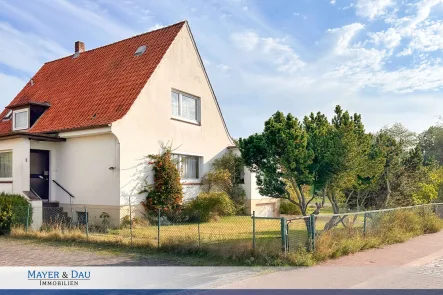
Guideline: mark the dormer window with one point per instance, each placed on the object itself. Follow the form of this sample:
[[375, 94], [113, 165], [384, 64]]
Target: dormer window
[[20, 119]]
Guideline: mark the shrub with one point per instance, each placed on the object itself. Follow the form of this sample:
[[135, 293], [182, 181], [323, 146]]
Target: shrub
[[166, 192], [431, 223], [385, 228], [232, 166], [16, 207], [5, 219], [289, 208], [209, 206]]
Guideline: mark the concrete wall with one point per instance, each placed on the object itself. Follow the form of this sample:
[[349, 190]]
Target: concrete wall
[[20, 165], [149, 121]]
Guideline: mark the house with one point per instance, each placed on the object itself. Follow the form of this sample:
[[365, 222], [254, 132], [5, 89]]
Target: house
[[78, 133]]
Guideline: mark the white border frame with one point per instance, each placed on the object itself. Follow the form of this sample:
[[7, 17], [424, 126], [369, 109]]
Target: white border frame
[[12, 166], [27, 119], [200, 167], [179, 117]]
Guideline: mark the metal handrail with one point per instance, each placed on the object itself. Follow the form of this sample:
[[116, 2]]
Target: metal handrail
[[66, 191], [35, 193]]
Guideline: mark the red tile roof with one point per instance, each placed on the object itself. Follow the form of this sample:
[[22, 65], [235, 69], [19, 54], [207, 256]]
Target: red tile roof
[[96, 88]]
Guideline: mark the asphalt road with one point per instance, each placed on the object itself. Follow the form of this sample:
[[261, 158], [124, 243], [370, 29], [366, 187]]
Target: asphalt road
[[416, 264]]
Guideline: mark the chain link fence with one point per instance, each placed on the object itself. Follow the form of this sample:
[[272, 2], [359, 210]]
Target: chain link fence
[[134, 226]]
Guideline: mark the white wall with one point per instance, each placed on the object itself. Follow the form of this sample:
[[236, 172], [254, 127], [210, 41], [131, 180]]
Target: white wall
[[149, 122], [82, 167], [20, 165]]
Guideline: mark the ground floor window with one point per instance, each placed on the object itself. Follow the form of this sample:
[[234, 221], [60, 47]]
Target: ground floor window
[[6, 164], [189, 166]]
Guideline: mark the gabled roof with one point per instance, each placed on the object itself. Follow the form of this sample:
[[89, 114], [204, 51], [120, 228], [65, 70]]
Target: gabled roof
[[96, 88]]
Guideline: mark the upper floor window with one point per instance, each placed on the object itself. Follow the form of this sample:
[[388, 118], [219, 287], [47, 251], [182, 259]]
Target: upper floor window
[[185, 106], [5, 164], [20, 119]]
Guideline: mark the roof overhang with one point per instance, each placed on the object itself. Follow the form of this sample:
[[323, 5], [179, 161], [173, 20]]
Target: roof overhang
[[39, 137], [30, 103]]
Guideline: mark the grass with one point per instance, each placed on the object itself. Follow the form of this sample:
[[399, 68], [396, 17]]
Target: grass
[[389, 228], [228, 241]]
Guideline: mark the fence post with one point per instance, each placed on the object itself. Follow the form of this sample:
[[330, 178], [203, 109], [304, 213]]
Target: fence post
[[87, 224], [27, 217], [198, 228], [158, 229], [364, 225], [312, 226], [130, 219], [253, 231], [283, 234]]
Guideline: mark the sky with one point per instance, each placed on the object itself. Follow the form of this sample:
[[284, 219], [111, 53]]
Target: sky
[[379, 58]]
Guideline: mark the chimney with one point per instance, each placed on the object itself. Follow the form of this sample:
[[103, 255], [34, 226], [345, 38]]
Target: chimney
[[79, 46]]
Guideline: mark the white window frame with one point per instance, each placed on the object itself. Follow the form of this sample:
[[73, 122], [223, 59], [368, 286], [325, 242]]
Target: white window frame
[[200, 167], [179, 116], [27, 119], [12, 165]]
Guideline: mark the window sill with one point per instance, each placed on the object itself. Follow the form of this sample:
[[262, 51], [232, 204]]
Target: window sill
[[185, 120], [5, 180], [191, 182]]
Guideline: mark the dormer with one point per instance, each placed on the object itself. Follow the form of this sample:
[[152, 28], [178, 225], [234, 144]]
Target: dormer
[[24, 116]]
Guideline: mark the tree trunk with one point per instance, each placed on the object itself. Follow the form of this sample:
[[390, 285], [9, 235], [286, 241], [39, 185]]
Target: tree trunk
[[332, 222]]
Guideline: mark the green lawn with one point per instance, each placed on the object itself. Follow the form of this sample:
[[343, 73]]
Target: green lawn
[[227, 232]]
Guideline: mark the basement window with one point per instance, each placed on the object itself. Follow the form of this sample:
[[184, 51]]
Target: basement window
[[20, 119]]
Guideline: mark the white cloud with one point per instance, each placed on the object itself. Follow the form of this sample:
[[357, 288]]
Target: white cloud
[[424, 8], [345, 35], [155, 27], [10, 86], [223, 67], [271, 50], [300, 15], [389, 38], [26, 51], [82, 15], [428, 36], [371, 9], [246, 40], [332, 2]]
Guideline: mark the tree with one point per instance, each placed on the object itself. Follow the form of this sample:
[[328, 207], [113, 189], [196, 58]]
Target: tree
[[166, 192], [402, 135], [389, 150], [430, 188], [282, 160], [431, 142]]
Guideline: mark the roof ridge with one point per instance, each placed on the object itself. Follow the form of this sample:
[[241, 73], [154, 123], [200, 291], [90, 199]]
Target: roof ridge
[[135, 36]]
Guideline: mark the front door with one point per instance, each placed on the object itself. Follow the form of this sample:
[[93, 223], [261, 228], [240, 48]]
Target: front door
[[40, 173]]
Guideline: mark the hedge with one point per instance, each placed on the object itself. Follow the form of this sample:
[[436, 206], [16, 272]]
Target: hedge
[[13, 211]]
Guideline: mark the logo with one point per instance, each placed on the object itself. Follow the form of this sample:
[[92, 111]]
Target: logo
[[59, 278]]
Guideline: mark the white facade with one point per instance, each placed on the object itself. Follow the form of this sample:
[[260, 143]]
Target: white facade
[[150, 122]]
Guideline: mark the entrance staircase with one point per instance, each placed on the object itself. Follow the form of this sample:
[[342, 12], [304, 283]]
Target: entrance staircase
[[54, 214]]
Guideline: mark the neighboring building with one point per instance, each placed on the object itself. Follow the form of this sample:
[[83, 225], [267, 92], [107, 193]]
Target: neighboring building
[[83, 125]]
